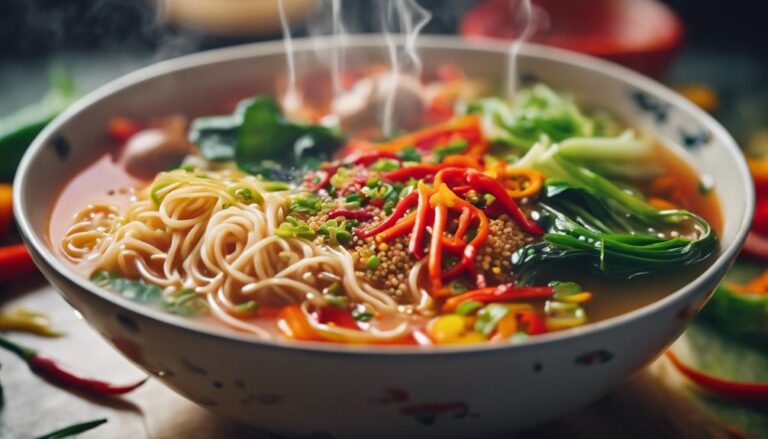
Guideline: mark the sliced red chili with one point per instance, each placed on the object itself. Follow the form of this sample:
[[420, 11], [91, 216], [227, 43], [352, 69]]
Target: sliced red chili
[[336, 316], [732, 389], [400, 211], [487, 184], [360, 215]]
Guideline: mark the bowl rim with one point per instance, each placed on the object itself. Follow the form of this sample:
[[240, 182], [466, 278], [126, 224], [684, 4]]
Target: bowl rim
[[255, 50]]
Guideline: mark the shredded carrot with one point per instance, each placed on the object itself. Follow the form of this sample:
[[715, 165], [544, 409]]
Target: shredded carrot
[[293, 323], [506, 328], [398, 229]]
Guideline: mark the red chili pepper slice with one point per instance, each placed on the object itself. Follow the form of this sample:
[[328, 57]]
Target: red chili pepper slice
[[416, 244], [533, 323], [731, 389], [360, 215], [369, 159], [123, 128], [400, 210], [487, 184], [49, 368], [328, 172], [417, 172], [336, 316]]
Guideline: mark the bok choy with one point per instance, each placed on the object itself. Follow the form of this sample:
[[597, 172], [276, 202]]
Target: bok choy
[[539, 111], [589, 217]]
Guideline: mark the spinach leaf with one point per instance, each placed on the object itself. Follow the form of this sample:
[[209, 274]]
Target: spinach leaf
[[257, 132], [133, 289]]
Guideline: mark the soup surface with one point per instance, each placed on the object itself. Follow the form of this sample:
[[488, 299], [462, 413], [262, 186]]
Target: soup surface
[[481, 221]]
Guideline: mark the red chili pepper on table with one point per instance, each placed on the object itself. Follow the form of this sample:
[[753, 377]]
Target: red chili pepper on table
[[15, 263], [501, 293], [51, 369], [756, 392]]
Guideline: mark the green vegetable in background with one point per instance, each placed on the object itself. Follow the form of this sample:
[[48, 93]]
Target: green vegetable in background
[[259, 131], [19, 129], [740, 304]]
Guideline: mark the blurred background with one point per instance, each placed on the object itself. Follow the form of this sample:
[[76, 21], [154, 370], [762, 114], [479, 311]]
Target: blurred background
[[705, 42], [713, 52]]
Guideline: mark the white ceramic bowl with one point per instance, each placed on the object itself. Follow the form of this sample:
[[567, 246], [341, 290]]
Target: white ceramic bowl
[[303, 390]]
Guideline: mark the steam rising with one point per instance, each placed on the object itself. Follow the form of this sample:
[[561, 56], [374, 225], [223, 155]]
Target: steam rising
[[291, 99], [412, 18], [528, 18]]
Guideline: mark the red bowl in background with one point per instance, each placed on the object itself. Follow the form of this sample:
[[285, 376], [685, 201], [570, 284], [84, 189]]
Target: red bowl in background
[[641, 34]]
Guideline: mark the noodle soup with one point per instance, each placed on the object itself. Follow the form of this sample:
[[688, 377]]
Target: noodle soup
[[492, 224]]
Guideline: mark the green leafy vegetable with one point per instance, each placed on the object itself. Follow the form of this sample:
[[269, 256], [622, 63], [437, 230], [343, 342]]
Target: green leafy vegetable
[[468, 307], [595, 220], [185, 302], [294, 228], [489, 316], [337, 233], [248, 306], [409, 154], [133, 289], [535, 112], [740, 313], [307, 203], [258, 131], [362, 316], [372, 263], [385, 165], [456, 147], [276, 186]]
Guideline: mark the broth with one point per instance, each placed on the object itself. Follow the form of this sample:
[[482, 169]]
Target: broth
[[613, 297], [420, 239]]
